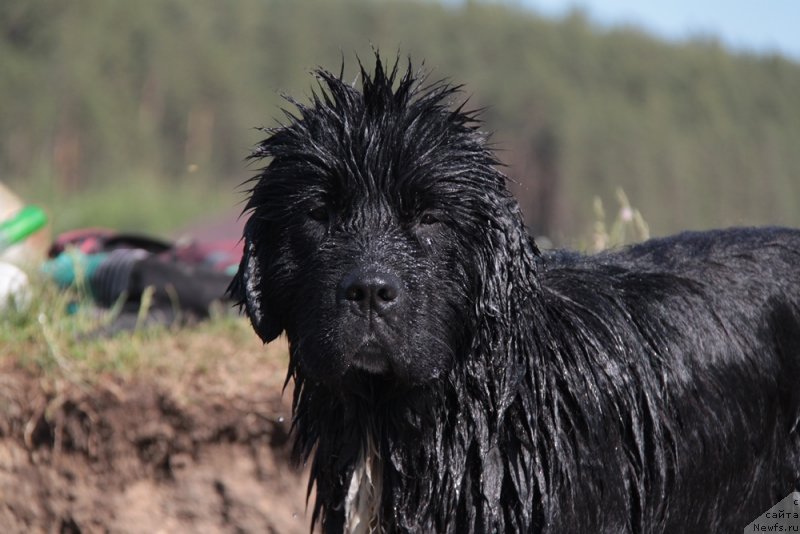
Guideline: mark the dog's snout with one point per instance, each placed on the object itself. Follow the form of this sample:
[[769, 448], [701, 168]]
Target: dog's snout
[[371, 290]]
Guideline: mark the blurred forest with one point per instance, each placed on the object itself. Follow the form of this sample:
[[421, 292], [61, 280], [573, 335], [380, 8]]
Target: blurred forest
[[141, 114]]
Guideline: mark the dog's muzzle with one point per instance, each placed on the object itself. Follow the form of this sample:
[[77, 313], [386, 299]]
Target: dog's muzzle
[[373, 296]]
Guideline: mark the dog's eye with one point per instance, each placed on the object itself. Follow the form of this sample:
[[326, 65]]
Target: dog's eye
[[428, 218], [320, 213]]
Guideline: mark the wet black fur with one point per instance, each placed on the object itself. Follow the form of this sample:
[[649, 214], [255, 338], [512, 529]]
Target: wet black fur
[[649, 389]]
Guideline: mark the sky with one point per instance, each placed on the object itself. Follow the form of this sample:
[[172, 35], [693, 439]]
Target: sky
[[766, 26]]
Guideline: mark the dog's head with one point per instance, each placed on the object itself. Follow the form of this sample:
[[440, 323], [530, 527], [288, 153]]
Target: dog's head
[[372, 228]]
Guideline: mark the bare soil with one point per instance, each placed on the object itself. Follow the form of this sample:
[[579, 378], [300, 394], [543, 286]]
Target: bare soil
[[207, 452]]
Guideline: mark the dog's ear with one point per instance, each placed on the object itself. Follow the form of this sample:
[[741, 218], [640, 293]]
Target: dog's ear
[[508, 264], [511, 258], [247, 289], [507, 261]]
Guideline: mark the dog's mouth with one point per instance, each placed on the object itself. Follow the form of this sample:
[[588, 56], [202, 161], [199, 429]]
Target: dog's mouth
[[372, 357]]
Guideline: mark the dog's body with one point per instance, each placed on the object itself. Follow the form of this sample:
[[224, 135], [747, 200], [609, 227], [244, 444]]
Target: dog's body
[[451, 378]]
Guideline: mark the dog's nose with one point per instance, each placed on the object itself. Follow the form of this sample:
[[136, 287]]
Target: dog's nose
[[371, 290]]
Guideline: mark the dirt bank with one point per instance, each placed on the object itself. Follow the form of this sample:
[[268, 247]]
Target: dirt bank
[[146, 454]]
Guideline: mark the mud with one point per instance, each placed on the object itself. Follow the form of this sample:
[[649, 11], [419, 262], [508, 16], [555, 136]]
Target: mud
[[141, 455]]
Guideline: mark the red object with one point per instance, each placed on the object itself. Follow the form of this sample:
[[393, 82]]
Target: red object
[[218, 255]]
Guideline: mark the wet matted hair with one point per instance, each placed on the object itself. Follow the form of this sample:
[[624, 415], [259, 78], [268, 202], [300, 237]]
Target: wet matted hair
[[450, 377]]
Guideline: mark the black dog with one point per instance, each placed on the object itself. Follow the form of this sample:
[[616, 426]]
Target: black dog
[[449, 377]]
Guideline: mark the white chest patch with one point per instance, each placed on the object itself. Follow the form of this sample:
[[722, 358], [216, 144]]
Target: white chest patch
[[252, 279], [362, 505]]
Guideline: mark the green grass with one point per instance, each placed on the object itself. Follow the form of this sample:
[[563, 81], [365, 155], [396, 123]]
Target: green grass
[[59, 335], [627, 226]]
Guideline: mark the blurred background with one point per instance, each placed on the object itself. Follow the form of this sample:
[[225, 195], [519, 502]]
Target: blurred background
[[130, 399], [140, 115]]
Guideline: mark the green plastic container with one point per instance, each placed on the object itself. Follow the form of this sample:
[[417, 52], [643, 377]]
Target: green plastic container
[[26, 222]]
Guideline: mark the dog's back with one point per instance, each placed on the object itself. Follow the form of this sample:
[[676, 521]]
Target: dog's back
[[718, 317]]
